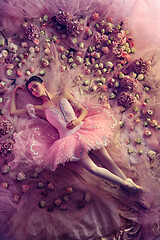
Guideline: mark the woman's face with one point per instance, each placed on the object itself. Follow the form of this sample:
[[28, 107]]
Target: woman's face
[[37, 89]]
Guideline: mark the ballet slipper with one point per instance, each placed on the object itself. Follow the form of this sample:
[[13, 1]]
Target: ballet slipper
[[138, 199], [131, 186]]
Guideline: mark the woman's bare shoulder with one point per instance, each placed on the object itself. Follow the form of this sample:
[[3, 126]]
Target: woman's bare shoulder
[[67, 95]]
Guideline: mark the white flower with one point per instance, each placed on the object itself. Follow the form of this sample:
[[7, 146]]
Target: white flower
[[13, 47], [21, 176]]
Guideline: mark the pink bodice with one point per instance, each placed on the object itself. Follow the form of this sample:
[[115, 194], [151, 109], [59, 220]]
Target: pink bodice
[[59, 118]]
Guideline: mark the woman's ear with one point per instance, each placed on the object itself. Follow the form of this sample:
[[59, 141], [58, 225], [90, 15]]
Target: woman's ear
[[43, 84]]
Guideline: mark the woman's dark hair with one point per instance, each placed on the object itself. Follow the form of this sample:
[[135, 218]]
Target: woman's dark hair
[[34, 78]]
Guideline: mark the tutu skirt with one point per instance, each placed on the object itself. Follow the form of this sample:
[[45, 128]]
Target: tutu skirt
[[96, 132], [38, 37]]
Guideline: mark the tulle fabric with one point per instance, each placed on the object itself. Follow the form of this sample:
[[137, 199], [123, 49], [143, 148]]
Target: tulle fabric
[[96, 132], [33, 134], [71, 222]]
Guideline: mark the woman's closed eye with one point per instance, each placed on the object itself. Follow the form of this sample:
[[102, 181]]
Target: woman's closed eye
[[31, 89], [35, 86]]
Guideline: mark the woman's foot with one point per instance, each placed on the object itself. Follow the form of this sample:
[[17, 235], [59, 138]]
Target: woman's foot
[[141, 202], [131, 186]]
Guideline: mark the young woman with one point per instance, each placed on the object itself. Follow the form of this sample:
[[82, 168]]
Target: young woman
[[90, 131]]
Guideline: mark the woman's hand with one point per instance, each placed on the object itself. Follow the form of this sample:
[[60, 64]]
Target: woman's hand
[[18, 87], [13, 108], [73, 123]]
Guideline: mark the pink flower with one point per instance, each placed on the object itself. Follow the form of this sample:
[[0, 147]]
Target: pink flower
[[63, 68], [109, 19], [19, 73], [63, 206], [97, 37], [24, 44], [104, 38], [16, 198], [79, 53], [26, 55], [57, 41], [47, 45], [104, 88], [5, 169], [147, 133], [25, 188], [51, 186], [45, 62], [47, 51], [23, 61], [6, 147], [44, 25], [1, 60], [142, 66], [4, 185], [36, 41], [58, 202], [37, 49], [105, 50], [88, 71], [10, 66], [61, 49], [131, 115], [87, 197], [98, 73], [95, 16], [25, 25], [69, 190], [128, 83], [126, 99], [32, 69]]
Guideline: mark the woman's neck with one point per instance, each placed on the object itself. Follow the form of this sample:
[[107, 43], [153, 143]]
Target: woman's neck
[[47, 97]]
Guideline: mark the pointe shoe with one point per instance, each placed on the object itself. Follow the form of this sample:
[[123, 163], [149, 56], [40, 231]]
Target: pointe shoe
[[138, 199], [131, 186], [142, 203]]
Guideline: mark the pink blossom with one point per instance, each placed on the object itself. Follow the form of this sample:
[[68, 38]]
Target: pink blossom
[[16, 198], [51, 186], [19, 73], [95, 16], [105, 50], [69, 190], [58, 202], [4, 185], [36, 41], [25, 188], [104, 88], [5, 169]]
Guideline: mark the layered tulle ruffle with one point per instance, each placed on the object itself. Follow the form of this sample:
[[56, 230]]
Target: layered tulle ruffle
[[28, 209]]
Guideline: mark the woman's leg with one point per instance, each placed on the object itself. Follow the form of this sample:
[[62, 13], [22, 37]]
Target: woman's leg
[[89, 165], [106, 160]]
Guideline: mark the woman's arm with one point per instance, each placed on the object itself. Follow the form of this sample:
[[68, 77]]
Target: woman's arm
[[79, 107], [13, 109]]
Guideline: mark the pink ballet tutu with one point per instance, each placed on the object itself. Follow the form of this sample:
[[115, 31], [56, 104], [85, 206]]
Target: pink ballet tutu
[[97, 130], [64, 41]]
